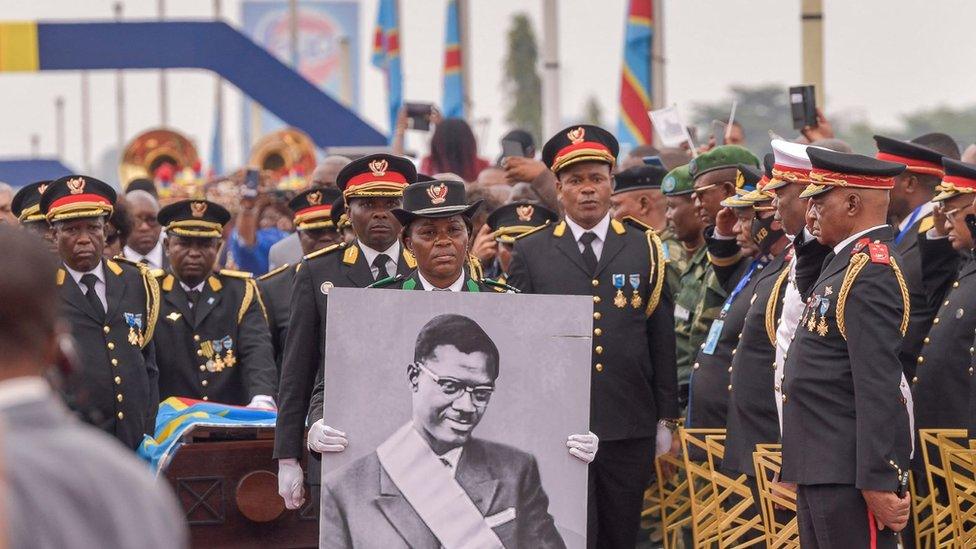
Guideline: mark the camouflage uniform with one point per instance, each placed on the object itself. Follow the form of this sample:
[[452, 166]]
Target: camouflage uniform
[[697, 302]]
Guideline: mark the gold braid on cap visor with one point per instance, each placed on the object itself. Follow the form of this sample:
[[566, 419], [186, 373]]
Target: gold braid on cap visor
[[195, 229]]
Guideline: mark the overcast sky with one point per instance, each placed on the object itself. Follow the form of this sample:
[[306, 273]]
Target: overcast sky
[[883, 58]]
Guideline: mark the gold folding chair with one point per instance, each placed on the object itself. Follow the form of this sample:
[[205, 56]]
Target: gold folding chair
[[673, 498], [960, 469], [768, 460], [922, 516], [704, 505], [734, 501], [938, 526]]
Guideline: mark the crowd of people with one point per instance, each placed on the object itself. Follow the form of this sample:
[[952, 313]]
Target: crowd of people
[[814, 297]]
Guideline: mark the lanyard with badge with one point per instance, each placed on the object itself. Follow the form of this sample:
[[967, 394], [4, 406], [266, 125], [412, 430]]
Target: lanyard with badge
[[719, 323]]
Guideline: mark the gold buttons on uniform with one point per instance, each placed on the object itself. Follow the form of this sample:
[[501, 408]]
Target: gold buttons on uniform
[[927, 340], [955, 284], [204, 383], [199, 352], [203, 368], [599, 367], [935, 320], [730, 387], [595, 282], [106, 329], [120, 415], [596, 299], [696, 366], [970, 370], [921, 359], [118, 397], [946, 302], [733, 351], [115, 362], [597, 315], [597, 332], [915, 379], [196, 337], [206, 398], [110, 346], [599, 349], [118, 380], [730, 369], [784, 398]]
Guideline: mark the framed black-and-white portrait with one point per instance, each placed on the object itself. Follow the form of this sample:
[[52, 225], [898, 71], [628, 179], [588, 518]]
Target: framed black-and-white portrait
[[457, 408]]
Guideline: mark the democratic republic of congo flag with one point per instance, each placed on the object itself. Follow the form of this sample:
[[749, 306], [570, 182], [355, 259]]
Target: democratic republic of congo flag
[[177, 414], [453, 102], [386, 55], [634, 127]]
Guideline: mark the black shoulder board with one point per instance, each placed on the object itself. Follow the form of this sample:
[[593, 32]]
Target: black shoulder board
[[634, 222], [500, 286], [326, 250], [271, 273], [384, 282]]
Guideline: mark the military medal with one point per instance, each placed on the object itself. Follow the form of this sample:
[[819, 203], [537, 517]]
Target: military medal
[[822, 324], [207, 348], [635, 298], [218, 360], [812, 313], [229, 358], [619, 300], [134, 321]]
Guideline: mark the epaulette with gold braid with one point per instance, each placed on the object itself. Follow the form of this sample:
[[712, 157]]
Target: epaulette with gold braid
[[122, 259], [236, 274], [857, 264], [250, 293], [474, 266], [326, 250], [774, 299], [636, 223], [724, 261], [531, 231], [153, 300], [658, 264], [926, 224], [273, 272]]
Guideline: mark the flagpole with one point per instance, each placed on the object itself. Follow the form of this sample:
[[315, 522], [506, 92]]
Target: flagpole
[[464, 43], [163, 90], [551, 115], [658, 61]]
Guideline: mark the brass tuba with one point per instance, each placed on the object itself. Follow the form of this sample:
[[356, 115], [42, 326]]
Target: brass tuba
[[283, 151], [153, 148]]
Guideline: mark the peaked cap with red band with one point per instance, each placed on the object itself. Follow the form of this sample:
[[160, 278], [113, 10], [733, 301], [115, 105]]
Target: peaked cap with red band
[[790, 164], [918, 158], [582, 143], [836, 169], [960, 177], [376, 175], [313, 208], [77, 197]]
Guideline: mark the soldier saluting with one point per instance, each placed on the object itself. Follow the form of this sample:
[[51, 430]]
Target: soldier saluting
[[634, 381], [111, 307], [846, 429]]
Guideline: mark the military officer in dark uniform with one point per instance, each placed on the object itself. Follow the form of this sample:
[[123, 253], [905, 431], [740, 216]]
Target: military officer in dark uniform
[[941, 383], [212, 326], [26, 205], [910, 212], [112, 308], [846, 431], [511, 221], [316, 230], [634, 382], [762, 257], [372, 186]]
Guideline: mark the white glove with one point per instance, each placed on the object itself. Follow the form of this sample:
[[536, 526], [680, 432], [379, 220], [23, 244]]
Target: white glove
[[262, 401], [291, 483], [322, 438], [662, 443], [583, 447]]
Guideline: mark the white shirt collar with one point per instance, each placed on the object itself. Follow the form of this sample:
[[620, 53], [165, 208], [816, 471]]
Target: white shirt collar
[[843, 243], [155, 255], [98, 271], [600, 229], [198, 287], [923, 211], [19, 390], [393, 252], [457, 286]]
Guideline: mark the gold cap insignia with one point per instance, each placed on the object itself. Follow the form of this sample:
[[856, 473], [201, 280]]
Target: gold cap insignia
[[41, 188], [577, 135], [437, 193], [378, 167], [740, 179], [76, 185], [524, 212], [198, 208], [314, 198]]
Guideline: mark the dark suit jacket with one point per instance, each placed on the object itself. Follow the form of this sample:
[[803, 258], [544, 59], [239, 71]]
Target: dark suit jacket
[[276, 293], [339, 266], [634, 378], [361, 507], [217, 315], [116, 388], [844, 419]]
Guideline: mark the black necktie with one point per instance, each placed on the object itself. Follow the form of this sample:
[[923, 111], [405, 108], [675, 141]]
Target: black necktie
[[380, 264], [589, 256], [193, 296], [144, 261], [89, 280]]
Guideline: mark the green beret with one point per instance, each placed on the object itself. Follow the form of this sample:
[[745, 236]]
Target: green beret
[[678, 182], [725, 156]]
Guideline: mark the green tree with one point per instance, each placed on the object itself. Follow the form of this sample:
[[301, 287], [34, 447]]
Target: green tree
[[759, 109], [594, 112], [522, 83]]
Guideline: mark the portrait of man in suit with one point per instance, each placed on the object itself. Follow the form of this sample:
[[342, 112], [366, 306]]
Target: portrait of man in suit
[[432, 483]]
